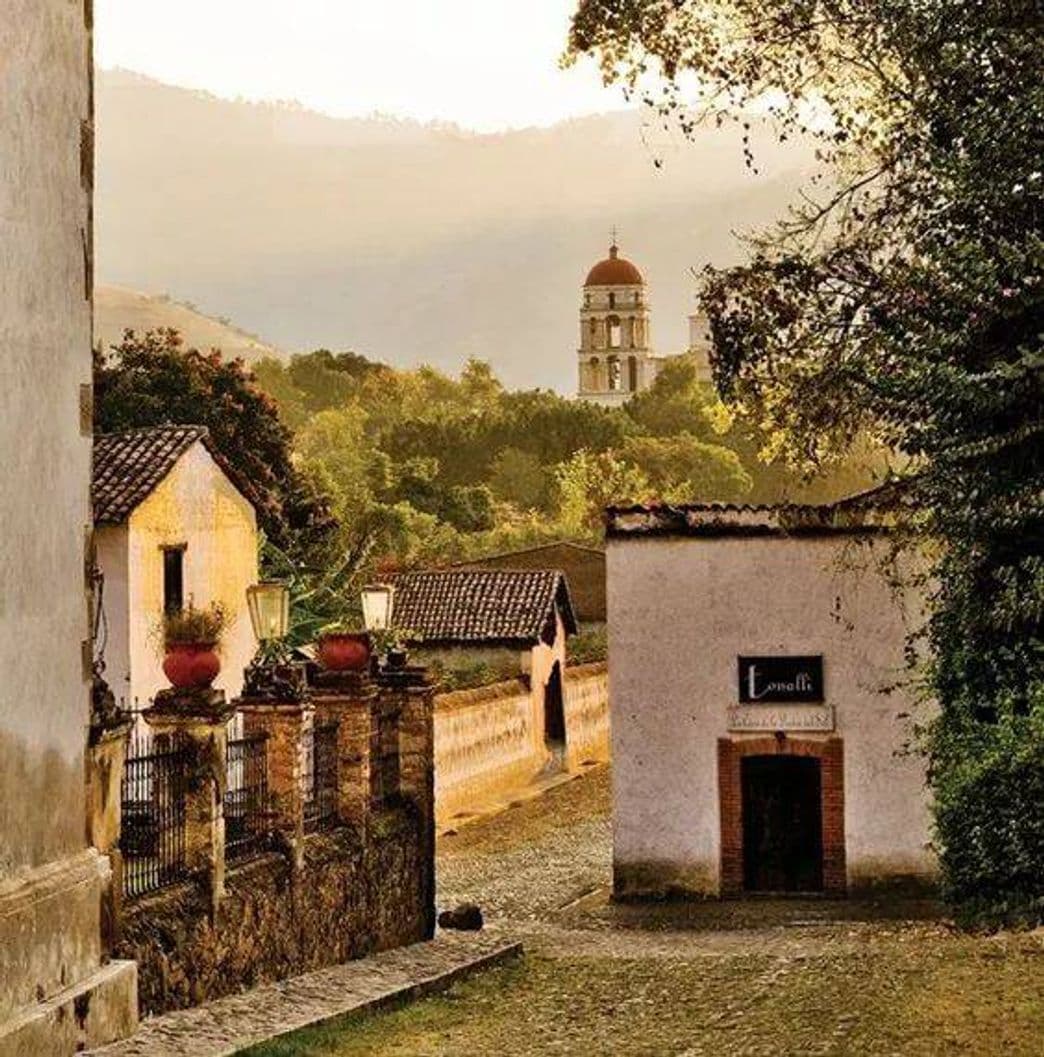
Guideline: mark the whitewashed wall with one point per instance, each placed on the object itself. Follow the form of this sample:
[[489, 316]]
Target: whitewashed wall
[[51, 883], [680, 613]]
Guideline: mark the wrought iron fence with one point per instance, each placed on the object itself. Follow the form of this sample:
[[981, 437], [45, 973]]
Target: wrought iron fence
[[320, 777], [247, 814], [152, 805]]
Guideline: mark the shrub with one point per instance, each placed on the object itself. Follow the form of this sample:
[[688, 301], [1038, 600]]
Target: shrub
[[588, 647], [988, 781]]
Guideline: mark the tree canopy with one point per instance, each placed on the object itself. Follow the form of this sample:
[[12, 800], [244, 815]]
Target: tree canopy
[[152, 379], [902, 300]]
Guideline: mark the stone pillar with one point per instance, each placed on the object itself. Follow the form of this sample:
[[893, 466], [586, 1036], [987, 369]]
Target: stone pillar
[[201, 716], [285, 723], [349, 699], [106, 753], [413, 694]]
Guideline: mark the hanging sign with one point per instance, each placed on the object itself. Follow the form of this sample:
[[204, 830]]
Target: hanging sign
[[775, 680]]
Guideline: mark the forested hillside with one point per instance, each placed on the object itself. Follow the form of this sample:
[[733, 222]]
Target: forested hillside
[[424, 468]]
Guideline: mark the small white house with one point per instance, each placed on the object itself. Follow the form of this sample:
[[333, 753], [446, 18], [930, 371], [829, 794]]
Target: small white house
[[758, 707], [171, 527]]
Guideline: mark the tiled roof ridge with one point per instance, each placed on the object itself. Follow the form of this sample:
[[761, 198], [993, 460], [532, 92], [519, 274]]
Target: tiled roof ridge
[[165, 427], [487, 606], [128, 465], [856, 500], [861, 512]]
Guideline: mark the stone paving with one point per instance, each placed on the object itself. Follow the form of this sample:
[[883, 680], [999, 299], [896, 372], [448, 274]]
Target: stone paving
[[226, 1026]]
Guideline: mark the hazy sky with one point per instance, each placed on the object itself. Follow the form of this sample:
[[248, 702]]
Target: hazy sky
[[484, 64]]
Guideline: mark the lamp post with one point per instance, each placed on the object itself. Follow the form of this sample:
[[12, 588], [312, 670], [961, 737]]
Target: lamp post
[[269, 605], [377, 603], [269, 674]]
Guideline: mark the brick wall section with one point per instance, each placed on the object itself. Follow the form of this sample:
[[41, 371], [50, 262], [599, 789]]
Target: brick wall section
[[353, 709], [830, 753], [284, 724]]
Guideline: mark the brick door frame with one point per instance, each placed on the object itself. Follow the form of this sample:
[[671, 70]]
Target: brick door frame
[[831, 756]]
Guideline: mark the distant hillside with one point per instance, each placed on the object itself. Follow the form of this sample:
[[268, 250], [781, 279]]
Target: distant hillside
[[117, 309], [410, 243]]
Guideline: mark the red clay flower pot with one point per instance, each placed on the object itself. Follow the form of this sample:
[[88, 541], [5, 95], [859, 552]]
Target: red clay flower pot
[[345, 652], [191, 666]]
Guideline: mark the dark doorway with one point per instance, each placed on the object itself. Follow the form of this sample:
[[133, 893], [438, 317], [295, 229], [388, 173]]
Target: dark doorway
[[554, 712], [782, 824]]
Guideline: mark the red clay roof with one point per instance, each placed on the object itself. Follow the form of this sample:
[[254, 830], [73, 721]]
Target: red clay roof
[[513, 607], [614, 271], [129, 465]]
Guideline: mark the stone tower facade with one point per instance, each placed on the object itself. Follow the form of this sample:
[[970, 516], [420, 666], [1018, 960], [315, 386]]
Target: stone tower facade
[[700, 346], [615, 356]]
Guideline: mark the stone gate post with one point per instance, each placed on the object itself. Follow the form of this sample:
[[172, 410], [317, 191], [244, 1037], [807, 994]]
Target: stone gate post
[[349, 699], [106, 753], [411, 692], [285, 722], [200, 716]]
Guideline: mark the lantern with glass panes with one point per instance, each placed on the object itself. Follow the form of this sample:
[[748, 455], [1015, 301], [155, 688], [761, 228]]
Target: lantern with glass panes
[[270, 673]]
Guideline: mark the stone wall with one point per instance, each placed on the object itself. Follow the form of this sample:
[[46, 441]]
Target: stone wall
[[348, 900], [490, 741]]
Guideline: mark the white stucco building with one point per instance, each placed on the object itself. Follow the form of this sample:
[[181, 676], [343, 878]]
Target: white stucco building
[[59, 991], [757, 703], [171, 527]]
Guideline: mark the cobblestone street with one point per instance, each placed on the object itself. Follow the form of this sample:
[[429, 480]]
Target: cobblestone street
[[740, 979]]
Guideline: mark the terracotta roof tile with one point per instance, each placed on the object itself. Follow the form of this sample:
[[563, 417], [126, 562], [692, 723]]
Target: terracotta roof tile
[[128, 466], [482, 606]]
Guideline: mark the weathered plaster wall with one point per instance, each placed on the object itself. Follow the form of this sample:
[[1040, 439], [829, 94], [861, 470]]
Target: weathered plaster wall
[[587, 715], [490, 741], [50, 882], [487, 741], [45, 337], [196, 505], [348, 901], [680, 612]]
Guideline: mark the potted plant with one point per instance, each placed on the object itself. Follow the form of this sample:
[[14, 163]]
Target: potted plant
[[343, 647], [191, 639], [393, 645]]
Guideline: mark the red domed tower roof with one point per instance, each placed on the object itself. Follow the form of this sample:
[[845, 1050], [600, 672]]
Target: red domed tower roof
[[614, 271]]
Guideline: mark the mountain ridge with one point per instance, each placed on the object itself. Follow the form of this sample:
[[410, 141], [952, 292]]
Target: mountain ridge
[[412, 243]]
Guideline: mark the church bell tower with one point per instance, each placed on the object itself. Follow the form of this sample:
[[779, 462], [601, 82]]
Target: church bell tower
[[615, 360]]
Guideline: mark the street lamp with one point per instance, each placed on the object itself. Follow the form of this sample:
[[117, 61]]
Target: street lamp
[[269, 605], [377, 602], [270, 675]]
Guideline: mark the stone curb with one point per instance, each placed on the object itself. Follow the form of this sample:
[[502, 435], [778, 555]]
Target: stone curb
[[230, 1025]]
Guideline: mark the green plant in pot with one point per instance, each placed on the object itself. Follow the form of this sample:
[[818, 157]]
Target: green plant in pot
[[191, 644], [393, 645]]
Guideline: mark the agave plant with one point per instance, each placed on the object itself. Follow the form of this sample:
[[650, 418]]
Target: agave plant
[[320, 600]]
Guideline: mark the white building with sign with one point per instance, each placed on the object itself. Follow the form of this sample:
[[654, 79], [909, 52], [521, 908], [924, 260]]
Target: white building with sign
[[760, 703]]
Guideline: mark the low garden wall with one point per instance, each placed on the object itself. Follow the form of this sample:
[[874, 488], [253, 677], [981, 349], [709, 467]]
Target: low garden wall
[[347, 900], [490, 741], [586, 696]]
